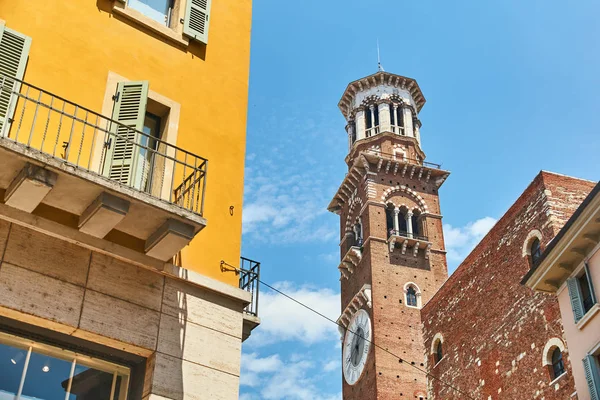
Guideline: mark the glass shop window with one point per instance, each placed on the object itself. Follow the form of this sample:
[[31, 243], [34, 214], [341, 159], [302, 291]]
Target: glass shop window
[[31, 371]]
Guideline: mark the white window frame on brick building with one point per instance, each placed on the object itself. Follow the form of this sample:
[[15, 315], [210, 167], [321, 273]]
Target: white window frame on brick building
[[412, 285], [528, 246], [547, 359], [434, 354]]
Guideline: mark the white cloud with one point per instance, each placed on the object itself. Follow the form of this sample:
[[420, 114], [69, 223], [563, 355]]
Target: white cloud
[[293, 379], [290, 179], [333, 365], [285, 320], [461, 240]]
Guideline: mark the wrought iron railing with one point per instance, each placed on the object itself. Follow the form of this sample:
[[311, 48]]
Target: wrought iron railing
[[393, 232], [398, 157], [249, 281], [46, 123]]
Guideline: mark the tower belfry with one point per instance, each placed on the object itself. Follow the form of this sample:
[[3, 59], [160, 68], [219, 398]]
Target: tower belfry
[[393, 258]]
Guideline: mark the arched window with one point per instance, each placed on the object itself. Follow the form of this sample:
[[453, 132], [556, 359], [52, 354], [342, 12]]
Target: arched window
[[402, 221], [532, 249], [411, 297], [416, 223], [368, 120], [558, 366], [389, 219], [552, 358], [535, 250], [439, 352]]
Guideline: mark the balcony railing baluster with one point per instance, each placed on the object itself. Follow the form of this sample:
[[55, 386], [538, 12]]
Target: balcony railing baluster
[[249, 281], [140, 154]]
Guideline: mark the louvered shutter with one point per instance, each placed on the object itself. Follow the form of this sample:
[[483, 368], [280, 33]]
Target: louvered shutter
[[195, 24], [14, 50], [123, 154], [576, 301], [592, 377]]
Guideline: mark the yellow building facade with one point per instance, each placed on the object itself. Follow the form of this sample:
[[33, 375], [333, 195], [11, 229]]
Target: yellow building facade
[[79, 50], [122, 145]]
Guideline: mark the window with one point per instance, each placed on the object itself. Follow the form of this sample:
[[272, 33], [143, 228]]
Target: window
[[169, 17], [535, 251], [402, 221], [159, 10], [581, 293], [439, 352], [140, 155], [591, 367], [411, 297], [586, 293], [52, 373], [368, 119], [558, 367], [416, 223], [148, 146], [400, 116], [389, 219], [436, 352]]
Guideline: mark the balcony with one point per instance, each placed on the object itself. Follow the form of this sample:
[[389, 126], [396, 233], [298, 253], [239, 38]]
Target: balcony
[[408, 240], [75, 167], [249, 280]]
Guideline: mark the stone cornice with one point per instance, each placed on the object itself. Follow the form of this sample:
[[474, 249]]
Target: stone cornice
[[369, 163], [380, 78]]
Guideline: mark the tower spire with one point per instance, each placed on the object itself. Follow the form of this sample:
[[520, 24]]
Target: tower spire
[[379, 67]]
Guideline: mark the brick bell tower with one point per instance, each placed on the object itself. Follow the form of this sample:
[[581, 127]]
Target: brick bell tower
[[392, 250]]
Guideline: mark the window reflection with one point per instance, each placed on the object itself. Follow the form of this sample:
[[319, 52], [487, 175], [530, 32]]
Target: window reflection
[[11, 367], [49, 373], [93, 384], [44, 377]]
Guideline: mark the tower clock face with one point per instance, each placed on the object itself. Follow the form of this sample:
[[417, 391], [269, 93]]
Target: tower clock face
[[356, 346]]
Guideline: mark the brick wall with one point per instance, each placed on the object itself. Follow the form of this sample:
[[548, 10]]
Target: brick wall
[[494, 329], [395, 326]]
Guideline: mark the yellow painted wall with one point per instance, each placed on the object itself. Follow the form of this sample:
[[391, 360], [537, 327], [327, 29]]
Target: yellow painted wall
[[76, 43]]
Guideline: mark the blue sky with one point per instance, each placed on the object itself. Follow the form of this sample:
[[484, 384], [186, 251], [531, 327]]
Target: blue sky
[[512, 88]]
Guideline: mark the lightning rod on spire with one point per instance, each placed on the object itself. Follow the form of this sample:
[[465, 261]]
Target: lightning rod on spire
[[379, 67]]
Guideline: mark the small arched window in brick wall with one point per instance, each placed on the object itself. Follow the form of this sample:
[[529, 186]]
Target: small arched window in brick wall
[[532, 247]]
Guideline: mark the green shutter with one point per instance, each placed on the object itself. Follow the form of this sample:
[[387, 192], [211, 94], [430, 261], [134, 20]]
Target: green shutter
[[195, 24], [14, 50], [576, 301], [123, 153], [592, 377]]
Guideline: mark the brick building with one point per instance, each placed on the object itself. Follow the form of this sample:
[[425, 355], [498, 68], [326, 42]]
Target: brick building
[[487, 334], [391, 242]]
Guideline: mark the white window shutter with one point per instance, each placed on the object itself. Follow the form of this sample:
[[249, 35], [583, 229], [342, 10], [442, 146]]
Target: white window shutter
[[592, 377], [123, 152], [196, 19], [14, 51], [576, 301]]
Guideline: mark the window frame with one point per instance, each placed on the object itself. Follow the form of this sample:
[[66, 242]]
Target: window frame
[[438, 339], [167, 109], [173, 32], [417, 290], [559, 363], [535, 255], [32, 346]]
